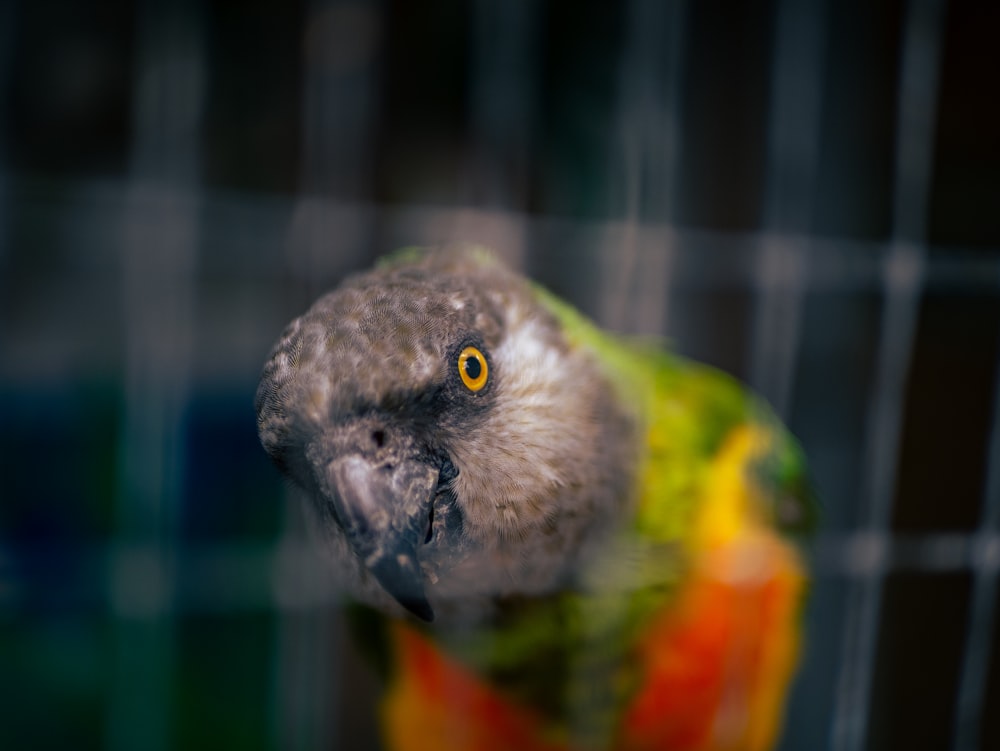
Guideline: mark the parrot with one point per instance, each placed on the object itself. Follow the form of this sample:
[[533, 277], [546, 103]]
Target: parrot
[[553, 537]]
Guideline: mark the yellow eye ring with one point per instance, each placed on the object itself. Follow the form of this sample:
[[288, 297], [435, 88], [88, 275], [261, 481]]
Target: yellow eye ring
[[472, 368]]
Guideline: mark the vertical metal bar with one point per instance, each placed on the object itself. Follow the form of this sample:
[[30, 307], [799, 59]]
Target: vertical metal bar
[[503, 60], [502, 98], [793, 152], [331, 230], [8, 16], [342, 42], [903, 280], [158, 257], [644, 151], [902, 284], [986, 566], [308, 699], [643, 169]]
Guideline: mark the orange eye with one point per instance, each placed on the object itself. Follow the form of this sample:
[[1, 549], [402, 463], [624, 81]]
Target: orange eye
[[473, 369]]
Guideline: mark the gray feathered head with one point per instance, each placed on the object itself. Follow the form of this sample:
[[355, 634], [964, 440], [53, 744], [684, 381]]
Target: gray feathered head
[[453, 442]]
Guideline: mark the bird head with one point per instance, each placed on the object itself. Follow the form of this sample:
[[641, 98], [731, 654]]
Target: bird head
[[455, 444]]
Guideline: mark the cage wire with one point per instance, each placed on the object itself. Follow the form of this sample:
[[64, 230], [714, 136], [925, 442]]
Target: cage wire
[[803, 194]]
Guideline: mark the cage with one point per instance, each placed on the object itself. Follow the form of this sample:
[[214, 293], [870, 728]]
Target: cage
[[804, 194]]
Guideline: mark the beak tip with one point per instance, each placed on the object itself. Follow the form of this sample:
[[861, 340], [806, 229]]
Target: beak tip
[[400, 576], [420, 608]]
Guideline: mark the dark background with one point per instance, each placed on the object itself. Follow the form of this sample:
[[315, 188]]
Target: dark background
[[804, 194]]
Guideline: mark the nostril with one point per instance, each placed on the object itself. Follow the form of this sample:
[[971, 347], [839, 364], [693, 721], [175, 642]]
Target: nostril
[[378, 438]]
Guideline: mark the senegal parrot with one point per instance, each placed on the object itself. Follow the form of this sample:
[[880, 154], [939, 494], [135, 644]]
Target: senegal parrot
[[559, 538]]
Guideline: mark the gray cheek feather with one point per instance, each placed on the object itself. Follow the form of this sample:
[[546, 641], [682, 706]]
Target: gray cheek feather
[[544, 475]]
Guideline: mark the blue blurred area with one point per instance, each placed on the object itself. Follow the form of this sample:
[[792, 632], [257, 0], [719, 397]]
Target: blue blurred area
[[58, 457], [60, 637], [228, 491]]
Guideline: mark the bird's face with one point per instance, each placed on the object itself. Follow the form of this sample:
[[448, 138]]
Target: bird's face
[[454, 444]]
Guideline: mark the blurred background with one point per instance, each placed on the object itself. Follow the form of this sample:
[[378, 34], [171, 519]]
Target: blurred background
[[805, 194]]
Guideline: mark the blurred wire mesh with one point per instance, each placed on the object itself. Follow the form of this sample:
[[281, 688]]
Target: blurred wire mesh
[[804, 194]]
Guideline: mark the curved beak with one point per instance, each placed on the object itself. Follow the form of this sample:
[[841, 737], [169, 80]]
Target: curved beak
[[385, 510]]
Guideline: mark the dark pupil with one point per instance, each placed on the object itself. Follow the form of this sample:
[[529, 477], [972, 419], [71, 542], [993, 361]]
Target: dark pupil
[[473, 368]]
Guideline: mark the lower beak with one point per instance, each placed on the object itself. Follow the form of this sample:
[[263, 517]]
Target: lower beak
[[385, 510]]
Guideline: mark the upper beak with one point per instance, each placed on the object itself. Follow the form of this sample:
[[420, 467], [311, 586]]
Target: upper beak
[[384, 510]]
